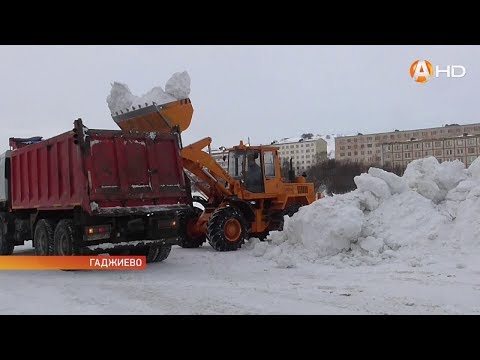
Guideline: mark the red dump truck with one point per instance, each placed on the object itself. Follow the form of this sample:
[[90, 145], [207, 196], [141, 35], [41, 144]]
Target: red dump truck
[[92, 191]]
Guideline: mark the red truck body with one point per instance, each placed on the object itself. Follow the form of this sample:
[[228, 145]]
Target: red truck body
[[113, 170], [94, 191]]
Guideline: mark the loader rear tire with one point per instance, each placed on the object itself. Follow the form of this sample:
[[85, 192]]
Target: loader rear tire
[[289, 211], [227, 229], [187, 240], [43, 237]]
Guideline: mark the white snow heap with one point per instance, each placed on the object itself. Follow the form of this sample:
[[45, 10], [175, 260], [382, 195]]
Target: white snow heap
[[433, 208], [121, 98]]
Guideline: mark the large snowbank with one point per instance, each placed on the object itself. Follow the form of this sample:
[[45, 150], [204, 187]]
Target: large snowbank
[[121, 98], [431, 211]]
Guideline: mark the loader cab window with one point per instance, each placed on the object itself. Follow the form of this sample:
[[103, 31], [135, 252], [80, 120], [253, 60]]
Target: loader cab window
[[254, 173], [268, 160], [236, 160]]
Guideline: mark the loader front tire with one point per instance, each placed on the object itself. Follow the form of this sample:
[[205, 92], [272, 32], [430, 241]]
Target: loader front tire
[[187, 239], [227, 229]]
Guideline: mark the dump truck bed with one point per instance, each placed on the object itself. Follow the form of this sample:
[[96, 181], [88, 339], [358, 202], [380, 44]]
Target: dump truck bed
[[103, 172]]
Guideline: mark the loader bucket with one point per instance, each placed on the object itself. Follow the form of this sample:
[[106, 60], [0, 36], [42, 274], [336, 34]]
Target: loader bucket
[[157, 118]]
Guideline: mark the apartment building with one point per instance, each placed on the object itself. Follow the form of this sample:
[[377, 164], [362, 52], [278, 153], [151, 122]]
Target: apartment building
[[305, 152], [369, 148], [465, 148]]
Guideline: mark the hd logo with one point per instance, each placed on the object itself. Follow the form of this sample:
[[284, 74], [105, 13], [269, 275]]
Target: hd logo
[[422, 70]]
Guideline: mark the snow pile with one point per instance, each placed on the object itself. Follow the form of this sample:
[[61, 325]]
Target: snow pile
[[431, 211], [121, 98]]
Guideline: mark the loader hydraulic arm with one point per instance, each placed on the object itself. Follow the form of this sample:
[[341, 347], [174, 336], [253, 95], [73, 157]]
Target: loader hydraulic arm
[[204, 166]]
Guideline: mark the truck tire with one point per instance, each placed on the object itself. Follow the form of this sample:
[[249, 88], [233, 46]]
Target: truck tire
[[227, 229], [43, 237], [187, 240], [162, 253], [64, 238], [153, 253], [6, 242]]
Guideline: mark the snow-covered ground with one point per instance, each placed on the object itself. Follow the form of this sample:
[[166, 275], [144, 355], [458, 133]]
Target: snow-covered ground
[[396, 245], [202, 281]]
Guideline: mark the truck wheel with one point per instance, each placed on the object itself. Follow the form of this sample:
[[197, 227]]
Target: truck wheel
[[153, 253], [6, 242], [162, 252], [227, 229], [64, 238], [43, 237], [187, 239]]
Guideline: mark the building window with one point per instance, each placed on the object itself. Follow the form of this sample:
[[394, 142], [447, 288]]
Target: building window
[[428, 145], [362, 146], [301, 145], [377, 137], [449, 151], [296, 146], [341, 148], [355, 153], [398, 147], [369, 145], [407, 155], [349, 153], [438, 144], [292, 152], [377, 145], [441, 131], [398, 156], [355, 140], [438, 152], [459, 142], [362, 152], [433, 132], [387, 156], [417, 146], [384, 136], [377, 151], [406, 147], [459, 151], [471, 142], [471, 150], [342, 154], [369, 151], [308, 150], [392, 136], [418, 154], [348, 140], [471, 159], [448, 143], [424, 133]]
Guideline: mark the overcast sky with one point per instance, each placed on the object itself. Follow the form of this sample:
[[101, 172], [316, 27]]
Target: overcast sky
[[261, 92]]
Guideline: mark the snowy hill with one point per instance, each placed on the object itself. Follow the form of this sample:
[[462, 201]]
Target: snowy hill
[[330, 139]]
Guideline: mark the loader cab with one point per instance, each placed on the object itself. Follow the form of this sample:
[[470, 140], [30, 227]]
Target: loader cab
[[254, 167]]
